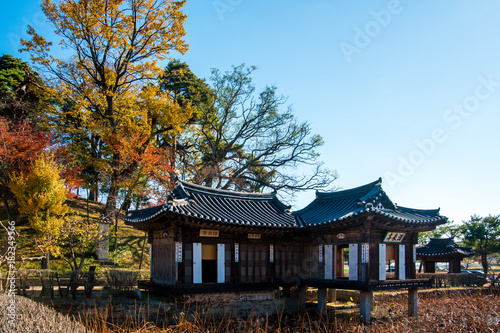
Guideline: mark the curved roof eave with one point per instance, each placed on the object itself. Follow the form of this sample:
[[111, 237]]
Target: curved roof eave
[[375, 212]]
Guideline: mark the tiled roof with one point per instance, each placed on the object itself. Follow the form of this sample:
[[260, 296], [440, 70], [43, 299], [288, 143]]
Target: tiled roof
[[221, 206], [332, 207], [266, 210], [443, 246]]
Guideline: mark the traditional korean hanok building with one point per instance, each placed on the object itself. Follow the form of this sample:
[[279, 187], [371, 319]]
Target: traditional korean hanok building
[[443, 250], [206, 240]]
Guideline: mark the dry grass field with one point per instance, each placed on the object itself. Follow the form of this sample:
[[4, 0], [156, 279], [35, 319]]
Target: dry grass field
[[469, 313]]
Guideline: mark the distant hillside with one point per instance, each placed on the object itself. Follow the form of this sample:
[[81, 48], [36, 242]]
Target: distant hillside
[[129, 243]]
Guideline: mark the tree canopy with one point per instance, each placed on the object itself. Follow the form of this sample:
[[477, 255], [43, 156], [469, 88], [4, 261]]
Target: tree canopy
[[106, 83], [131, 126], [41, 195], [248, 143], [483, 234], [23, 94], [20, 145], [449, 229]]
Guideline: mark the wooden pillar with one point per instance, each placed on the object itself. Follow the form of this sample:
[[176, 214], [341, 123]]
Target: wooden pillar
[[271, 267], [322, 300], [365, 305], [301, 299], [364, 268], [331, 295], [411, 271], [430, 267], [413, 302], [287, 291], [454, 266]]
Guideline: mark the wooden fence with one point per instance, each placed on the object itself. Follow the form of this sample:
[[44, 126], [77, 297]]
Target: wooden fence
[[70, 283]]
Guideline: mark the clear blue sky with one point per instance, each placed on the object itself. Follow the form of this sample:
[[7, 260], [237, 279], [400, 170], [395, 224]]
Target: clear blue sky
[[404, 90]]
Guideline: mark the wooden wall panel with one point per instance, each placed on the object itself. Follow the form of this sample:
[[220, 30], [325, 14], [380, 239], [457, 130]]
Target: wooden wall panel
[[228, 259], [251, 263], [188, 262], [263, 252], [244, 262], [164, 268]]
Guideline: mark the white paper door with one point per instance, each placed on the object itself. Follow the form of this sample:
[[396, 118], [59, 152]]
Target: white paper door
[[402, 263], [221, 273], [328, 261], [197, 263], [353, 262], [335, 274], [381, 262]]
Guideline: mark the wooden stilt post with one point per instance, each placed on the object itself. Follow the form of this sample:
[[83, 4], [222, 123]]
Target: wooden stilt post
[[365, 305], [301, 295], [413, 302], [332, 295], [322, 300]]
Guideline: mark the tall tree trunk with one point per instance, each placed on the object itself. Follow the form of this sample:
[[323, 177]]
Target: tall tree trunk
[[110, 208], [142, 250], [484, 259], [172, 162], [88, 209], [126, 203], [116, 232], [94, 192], [7, 208], [108, 218]]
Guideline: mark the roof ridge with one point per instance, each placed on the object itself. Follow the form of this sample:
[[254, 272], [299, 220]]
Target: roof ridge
[[326, 196], [443, 239], [190, 187], [415, 210], [187, 187], [349, 192]]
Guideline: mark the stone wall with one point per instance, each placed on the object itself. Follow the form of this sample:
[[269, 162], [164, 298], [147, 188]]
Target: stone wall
[[241, 304]]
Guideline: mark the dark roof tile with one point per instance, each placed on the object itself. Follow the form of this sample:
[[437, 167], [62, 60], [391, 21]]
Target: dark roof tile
[[266, 210], [443, 246], [332, 207], [250, 209]]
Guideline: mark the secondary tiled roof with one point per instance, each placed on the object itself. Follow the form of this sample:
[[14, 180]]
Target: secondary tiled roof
[[221, 206], [443, 246], [332, 207]]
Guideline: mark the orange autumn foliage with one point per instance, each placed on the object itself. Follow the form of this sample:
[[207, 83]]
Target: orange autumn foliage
[[20, 145]]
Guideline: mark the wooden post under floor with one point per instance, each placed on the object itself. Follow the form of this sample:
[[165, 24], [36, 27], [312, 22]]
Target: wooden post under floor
[[413, 302], [322, 300], [301, 297], [331, 295], [365, 305]]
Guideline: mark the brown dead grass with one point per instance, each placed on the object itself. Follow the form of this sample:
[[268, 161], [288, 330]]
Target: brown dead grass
[[473, 313]]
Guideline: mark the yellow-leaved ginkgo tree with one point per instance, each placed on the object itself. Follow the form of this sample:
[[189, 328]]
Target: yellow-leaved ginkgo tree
[[114, 111], [41, 196]]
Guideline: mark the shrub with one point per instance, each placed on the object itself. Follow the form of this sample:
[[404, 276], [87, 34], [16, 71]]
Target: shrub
[[452, 280], [120, 280], [34, 317]]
